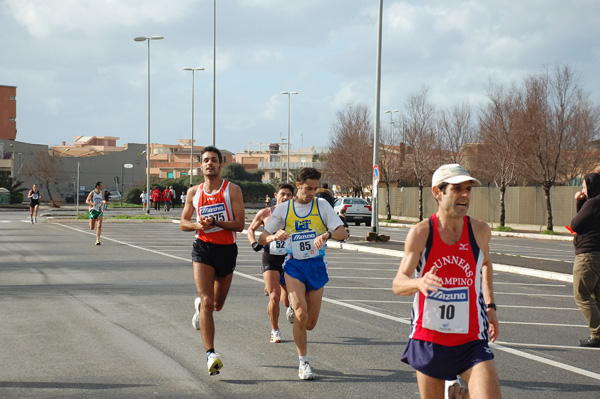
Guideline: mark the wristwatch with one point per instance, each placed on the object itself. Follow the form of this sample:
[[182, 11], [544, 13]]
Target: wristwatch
[[491, 306], [329, 235]]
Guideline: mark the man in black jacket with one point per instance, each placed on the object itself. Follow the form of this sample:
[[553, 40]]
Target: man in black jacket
[[586, 270]]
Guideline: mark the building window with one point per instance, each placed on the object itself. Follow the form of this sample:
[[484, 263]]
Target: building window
[[272, 175], [183, 173], [12, 119], [12, 97], [169, 175]]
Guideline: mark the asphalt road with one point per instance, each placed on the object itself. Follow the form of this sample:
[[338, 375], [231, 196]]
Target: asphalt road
[[114, 321]]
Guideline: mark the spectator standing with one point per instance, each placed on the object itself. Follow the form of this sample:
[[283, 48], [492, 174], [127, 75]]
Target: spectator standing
[[586, 269], [167, 199], [173, 196], [106, 200], [156, 198]]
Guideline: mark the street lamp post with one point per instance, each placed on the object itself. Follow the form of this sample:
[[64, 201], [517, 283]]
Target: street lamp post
[[289, 94], [142, 39], [192, 142], [391, 112]]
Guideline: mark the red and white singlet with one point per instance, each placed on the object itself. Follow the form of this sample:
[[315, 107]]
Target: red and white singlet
[[455, 314], [217, 205]]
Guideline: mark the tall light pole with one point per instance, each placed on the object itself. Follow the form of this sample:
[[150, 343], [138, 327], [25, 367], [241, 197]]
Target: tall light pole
[[375, 202], [289, 94], [214, 105], [391, 112], [142, 39], [192, 142]]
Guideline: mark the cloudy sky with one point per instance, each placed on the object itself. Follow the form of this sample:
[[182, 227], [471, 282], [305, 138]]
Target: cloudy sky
[[79, 71]]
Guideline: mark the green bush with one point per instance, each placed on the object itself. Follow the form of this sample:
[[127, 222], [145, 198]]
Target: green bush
[[255, 191], [16, 198]]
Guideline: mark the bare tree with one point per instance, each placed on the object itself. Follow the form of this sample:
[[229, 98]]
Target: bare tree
[[499, 140], [456, 131], [391, 158], [423, 148], [580, 154], [350, 158], [549, 112], [46, 169]]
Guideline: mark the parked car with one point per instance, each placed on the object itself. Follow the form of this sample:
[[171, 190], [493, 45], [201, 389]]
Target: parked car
[[114, 196], [357, 210]]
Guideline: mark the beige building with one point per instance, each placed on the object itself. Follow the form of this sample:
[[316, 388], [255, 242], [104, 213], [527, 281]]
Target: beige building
[[273, 160]]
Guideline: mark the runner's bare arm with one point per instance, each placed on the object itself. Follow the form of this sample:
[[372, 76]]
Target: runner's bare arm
[[483, 235], [266, 237], [185, 222], [338, 234], [403, 283], [88, 200], [258, 220]]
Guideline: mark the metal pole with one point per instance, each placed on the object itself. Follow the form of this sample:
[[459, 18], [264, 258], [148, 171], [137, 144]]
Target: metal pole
[[214, 69], [122, 191], [148, 143], [288, 139], [192, 142], [375, 210], [77, 207]]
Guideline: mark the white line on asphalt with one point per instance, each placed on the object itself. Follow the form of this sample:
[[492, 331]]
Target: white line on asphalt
[[535, 295], [515, 352], [530, 284], [526, 323], [549, 362], [545, 346]]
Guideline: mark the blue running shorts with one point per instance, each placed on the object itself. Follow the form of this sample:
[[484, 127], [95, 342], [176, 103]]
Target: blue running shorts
[[311, 272], [445, 362]]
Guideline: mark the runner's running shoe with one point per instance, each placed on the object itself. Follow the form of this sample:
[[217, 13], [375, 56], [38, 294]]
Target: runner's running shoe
[[275, 336], [305, 372], [214, 363], [196, 317], [289, 314]]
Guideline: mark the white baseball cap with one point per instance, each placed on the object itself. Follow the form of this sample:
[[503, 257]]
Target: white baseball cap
[[452, 173]]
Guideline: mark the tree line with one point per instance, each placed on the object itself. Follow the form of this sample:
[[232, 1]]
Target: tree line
[[540, 131]]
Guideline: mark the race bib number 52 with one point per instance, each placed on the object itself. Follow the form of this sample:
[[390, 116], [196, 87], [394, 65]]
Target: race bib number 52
[[447, 310]]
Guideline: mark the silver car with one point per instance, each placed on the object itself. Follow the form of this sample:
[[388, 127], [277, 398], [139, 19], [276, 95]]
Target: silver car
[[357, 210]]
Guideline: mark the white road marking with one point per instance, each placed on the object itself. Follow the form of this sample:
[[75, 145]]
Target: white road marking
[[503, 348]]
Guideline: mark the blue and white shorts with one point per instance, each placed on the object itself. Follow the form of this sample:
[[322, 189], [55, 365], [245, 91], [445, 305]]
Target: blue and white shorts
[[445, 362], [310, 272]]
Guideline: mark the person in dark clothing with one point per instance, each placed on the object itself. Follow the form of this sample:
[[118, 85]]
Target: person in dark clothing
[[326, 194], [106, 200], [586, 269]]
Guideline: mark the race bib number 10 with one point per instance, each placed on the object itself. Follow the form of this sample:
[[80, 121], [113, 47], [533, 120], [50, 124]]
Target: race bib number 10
[[303, 245], [447, 310]]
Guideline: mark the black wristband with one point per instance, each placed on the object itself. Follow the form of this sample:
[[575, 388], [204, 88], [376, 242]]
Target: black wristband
[[491, 306], [329, 235], [214, 222], [256, 246]]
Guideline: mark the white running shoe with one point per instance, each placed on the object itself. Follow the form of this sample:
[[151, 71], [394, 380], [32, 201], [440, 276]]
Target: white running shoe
[[452, 389], [289, 314], [214, 363], [275, 336], [196, 317], [305, 372]]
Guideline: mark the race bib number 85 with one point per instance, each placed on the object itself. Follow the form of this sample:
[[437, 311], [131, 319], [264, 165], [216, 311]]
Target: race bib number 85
[[447, 310], [303, 245]]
